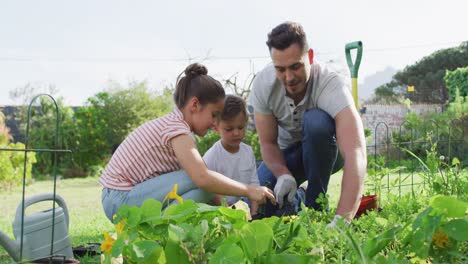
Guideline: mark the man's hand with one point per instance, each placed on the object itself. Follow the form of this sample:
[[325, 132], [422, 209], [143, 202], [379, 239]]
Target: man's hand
[[285, 185]]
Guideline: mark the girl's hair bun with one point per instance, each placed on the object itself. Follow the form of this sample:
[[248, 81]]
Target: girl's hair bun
[[195, 69]]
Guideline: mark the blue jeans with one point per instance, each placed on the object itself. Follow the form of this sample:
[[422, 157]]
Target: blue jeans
[[314, 158], [156, 188]]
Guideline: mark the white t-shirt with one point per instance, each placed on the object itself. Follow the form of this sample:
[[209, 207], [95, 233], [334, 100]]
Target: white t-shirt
[[240, 166], [326, 90]]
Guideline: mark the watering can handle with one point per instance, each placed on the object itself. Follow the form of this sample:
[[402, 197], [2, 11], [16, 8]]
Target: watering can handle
[[44, 197]]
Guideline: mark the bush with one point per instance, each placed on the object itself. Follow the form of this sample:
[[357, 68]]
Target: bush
[[446, 128], [43, 132], [457, 80], [12, 162], [108, 117]]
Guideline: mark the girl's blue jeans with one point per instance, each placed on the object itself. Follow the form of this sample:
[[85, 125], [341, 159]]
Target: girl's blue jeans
[[156, 188]]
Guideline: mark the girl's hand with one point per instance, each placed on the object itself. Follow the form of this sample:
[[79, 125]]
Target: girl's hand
[[254, 209], [259, 194]]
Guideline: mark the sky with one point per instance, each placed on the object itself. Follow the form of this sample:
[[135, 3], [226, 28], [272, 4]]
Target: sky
[[80, 47]]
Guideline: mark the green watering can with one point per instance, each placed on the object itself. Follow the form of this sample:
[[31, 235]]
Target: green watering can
[[37, 231]]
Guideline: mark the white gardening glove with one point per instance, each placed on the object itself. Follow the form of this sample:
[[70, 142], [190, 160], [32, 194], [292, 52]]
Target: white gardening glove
[[285, 185], [335, 221]]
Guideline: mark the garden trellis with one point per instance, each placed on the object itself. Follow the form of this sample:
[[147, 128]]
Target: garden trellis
[[451, 143], [55, 151]]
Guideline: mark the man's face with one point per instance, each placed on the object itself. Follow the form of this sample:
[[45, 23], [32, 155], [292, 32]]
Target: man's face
[[293, 69]]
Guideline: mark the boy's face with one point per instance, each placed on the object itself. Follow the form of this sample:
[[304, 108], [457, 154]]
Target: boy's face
[[232, 132]]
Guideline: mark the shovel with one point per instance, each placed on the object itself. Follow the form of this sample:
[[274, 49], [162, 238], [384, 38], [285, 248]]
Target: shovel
[[354, 67]]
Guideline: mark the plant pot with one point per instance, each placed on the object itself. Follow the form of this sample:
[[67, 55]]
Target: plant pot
[[369, 202]]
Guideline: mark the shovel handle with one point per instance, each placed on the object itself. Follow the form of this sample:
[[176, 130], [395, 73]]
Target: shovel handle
[[354, 67], [43, 197]]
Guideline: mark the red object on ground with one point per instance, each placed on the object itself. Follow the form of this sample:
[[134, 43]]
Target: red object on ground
[[368, 202]]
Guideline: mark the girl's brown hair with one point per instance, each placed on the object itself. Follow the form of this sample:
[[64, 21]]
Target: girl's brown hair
[[196, 82]]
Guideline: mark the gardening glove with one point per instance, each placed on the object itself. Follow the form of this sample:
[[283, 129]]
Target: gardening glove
[[285, 185], [335, 221]]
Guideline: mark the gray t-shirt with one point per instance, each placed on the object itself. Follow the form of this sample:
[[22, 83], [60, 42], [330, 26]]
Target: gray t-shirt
[[326, 90]]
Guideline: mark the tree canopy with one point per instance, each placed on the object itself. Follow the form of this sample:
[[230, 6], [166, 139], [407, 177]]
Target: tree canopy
[[427, 75]]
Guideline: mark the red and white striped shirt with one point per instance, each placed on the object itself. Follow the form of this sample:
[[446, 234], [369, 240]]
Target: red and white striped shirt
[[146, 153]]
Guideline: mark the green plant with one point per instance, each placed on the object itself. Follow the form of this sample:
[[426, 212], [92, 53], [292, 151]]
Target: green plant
[[441, 176], [189, 232], [457, 82], [377, 171], [440, 230]]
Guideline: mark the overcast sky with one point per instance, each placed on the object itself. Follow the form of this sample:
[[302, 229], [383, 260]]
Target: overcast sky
[[78, 46]]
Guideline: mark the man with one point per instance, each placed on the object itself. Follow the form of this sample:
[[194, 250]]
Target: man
[[304, 114]]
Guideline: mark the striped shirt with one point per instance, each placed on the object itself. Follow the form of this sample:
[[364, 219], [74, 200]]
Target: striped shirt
[[146, 153]]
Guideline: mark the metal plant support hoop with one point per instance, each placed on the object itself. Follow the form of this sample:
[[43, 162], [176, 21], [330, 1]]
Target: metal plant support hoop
[[26, 150]]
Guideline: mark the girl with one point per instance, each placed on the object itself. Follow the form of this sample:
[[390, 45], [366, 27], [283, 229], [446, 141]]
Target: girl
[[162, 152]]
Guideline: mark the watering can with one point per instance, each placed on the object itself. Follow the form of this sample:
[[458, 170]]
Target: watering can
[[37, 231]]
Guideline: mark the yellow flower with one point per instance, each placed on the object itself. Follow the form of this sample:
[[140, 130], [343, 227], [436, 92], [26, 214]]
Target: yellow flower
[[108, 243], [440, 239], [173, 195], [119, 227]]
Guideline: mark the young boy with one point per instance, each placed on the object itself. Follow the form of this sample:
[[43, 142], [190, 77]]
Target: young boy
[[229, 155]]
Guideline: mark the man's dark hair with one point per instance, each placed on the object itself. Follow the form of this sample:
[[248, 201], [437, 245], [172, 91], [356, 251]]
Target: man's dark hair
[[233, 105], [286, 34]]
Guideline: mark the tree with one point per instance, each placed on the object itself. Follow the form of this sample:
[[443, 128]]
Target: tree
[[109, 116], [43, 125], [427, 75]]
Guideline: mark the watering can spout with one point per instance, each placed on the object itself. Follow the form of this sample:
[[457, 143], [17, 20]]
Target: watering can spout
[[11, 246]]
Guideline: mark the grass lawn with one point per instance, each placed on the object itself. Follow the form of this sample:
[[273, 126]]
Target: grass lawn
[[87, 219]]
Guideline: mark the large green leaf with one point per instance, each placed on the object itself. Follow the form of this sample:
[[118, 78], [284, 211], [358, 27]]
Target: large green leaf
[[143, 250], [457, 229], [292, 259], [117, 248], [232, 213], [451, 205], [151, 210], [180, 212], [175, 253], [176, 233], [256, 238], [228, 254], [206, 208], [377, 243]]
